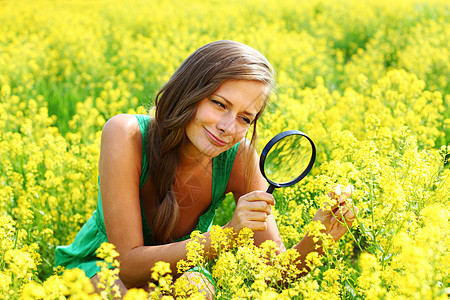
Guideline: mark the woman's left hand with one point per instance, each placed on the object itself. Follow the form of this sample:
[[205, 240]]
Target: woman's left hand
[[337, 217]]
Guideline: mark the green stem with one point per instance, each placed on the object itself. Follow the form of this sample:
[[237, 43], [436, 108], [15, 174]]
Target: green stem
[[336, 262], [374, 239]]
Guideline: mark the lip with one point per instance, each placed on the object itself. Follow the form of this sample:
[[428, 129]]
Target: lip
[[215, 139]]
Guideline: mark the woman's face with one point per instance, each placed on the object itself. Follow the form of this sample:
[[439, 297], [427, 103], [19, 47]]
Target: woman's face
[[222, 119]]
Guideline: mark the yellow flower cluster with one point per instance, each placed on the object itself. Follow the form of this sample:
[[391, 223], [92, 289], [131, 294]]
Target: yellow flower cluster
[[366, 80], [18, 260], [109, 273]]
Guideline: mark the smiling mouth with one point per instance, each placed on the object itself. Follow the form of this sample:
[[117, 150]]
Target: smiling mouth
[[215, 139]]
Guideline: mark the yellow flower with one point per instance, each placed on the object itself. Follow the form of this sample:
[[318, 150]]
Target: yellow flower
[[313, 259], [195, 253], [225, 267], [107, 252], [269, 295], [109, 273], [244, 238], [220, 238], [74, 281], [161, 274], [7, 230], [20, 263], [33, 290], [5, 282], [286, 266], [369, 281], [136, 294], [160, 269]]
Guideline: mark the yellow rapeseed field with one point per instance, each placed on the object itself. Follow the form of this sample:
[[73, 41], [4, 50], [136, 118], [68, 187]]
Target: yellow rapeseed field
[[366, 80]]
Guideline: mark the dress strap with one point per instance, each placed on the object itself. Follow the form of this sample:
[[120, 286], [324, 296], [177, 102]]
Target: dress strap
[[222, 166], [144, 124]]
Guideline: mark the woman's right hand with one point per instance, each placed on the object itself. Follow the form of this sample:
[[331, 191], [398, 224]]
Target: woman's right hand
[[252, 211]]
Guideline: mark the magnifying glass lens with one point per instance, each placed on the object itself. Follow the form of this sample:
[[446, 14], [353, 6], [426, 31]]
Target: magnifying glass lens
[[288, 158]]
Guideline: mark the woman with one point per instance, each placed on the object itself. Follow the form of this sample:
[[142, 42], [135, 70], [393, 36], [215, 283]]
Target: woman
[[163, 177]]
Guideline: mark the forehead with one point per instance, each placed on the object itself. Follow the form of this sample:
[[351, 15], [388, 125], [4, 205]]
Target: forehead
[[245, 94]]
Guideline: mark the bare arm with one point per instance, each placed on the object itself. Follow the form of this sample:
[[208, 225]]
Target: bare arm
[[336, 219]]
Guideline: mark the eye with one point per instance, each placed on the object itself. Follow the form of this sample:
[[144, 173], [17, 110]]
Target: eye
[[246, 120], [218, 103]]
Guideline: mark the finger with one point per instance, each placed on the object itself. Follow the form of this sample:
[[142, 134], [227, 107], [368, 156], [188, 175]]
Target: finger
[[339, 214], [253, 215], [344, 203], [331, 204], [257, 216], [333, 219], [334, 205], [256, 225], [349, 205], [345, 211], [349, 218], [256, 206], [349, 215], [258, 196], [266, 208], [341, 200], [334, 201]]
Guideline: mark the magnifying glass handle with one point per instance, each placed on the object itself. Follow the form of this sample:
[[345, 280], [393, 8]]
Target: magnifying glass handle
[[270, 189]]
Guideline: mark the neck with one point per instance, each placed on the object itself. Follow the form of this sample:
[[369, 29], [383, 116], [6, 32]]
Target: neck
[[187, 159]]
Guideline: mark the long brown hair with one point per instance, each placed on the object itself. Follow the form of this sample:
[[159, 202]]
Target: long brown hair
[[199, 76]]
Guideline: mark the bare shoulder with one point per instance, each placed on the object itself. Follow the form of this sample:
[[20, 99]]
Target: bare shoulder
[[122, 140], [121, 125]]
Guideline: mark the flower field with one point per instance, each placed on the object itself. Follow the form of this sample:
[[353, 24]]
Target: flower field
[[366, 80]]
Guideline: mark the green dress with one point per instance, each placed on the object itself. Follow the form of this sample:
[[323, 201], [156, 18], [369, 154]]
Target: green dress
[[81, 253]]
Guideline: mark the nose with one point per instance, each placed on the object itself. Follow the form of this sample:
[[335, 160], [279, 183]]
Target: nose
[[227, 124]]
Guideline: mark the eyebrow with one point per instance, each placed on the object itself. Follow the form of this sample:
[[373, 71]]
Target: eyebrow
[[231, 104]]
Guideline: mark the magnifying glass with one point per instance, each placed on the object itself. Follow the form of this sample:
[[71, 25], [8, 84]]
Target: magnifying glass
[[287, 158]]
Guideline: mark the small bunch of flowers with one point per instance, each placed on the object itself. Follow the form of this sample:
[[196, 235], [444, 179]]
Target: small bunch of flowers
[[195, 253], [109, 274], [161, 285], [18, 261]]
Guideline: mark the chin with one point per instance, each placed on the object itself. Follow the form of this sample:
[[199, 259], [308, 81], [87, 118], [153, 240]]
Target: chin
[[213, 151], [212, 154]]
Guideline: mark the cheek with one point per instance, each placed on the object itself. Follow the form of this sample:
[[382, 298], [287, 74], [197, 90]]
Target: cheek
[[190, 128], [241, 133]]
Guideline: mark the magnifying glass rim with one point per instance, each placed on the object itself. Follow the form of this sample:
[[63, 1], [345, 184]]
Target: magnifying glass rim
[[269, 146]]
